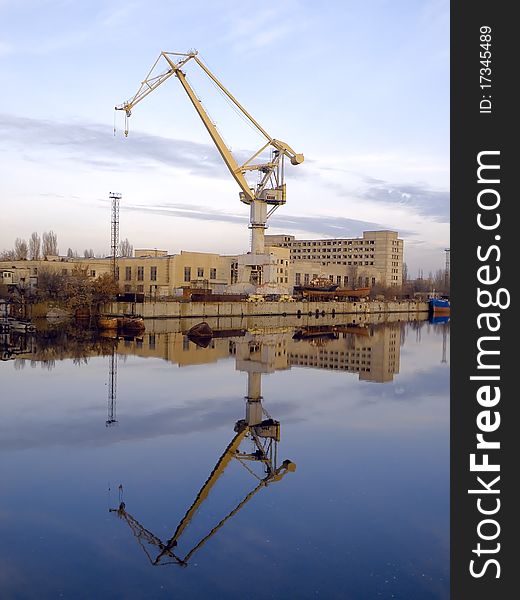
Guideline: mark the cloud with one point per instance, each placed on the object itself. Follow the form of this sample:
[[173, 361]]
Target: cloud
[[94, 146], [197, 416], [315, 224], [421, 199], [272, 25], [82, 142]]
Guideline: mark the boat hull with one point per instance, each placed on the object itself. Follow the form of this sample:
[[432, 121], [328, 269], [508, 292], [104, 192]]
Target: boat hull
[[439, 306]]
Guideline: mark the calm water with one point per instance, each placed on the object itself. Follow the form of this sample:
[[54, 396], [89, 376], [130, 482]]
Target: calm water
[[187, 495]]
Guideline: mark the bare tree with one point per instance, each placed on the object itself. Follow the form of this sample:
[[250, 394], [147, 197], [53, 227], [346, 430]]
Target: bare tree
[[34, 246], [405, 273], [7, 255], [20, 249], [51, 284], [70, 253], [50, 244], [126, 249], [89, 253]]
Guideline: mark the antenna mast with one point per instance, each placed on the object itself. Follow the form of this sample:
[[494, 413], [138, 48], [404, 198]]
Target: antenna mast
[[114, 231], [447, 269]]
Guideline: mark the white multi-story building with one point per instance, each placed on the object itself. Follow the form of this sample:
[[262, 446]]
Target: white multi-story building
[[376, 258]]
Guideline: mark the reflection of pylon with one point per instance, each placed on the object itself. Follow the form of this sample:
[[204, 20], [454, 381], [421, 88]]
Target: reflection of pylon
[[114, 231], [112, 389], [444, 337]]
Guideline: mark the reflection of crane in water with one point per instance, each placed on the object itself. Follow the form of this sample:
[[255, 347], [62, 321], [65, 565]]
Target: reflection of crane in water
[[265, 435], [112, 389]]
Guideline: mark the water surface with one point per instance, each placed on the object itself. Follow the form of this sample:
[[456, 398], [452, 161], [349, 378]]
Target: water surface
[[192, 440]]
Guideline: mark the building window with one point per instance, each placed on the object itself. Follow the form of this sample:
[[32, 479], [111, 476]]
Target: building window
[[187, 273], [153, 273], [338, 279], [127, 288], [200, 272], [213, 273], [140, 288], [92, 273], [345, 280], [128, 273], [234, 272], [306, 278], [140, 273], [298, 279], [151, 341]]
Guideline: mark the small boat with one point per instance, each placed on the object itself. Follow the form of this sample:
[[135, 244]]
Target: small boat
[[318, 284], [200, 334], [436, 319], [109, 323], [130, 323], [20, 326], [337, 294], [202, 329], [306, 333], [439, 306]]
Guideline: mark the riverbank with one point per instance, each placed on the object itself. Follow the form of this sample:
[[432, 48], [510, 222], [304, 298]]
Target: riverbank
[[186, 310]]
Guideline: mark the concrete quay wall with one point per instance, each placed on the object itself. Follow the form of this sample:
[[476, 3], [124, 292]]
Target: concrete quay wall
[[180, 310]]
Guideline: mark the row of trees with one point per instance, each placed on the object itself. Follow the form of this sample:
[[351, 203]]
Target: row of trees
[[38, 248], [35, 249], [438, 281]]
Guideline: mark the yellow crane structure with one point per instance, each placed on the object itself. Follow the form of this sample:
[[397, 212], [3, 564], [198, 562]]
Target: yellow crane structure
[[265, 435], [270, 190]]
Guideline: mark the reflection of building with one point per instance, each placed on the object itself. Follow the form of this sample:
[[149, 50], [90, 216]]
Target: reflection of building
[[372, 352], [376, 258], [374, 356]]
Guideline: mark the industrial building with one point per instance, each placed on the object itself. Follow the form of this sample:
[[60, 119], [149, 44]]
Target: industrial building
[[152, 272], [375, 258]]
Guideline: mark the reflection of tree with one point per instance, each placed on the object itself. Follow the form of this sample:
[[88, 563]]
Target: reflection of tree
[[65, 343]]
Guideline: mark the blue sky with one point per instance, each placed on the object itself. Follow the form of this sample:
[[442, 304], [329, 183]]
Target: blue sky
[[361, 88]]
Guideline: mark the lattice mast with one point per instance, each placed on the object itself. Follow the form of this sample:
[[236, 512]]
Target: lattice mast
[[112, 389], [114, 232], [447, 269]]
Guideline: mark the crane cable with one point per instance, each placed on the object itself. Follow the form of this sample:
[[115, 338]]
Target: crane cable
[[228, 100]]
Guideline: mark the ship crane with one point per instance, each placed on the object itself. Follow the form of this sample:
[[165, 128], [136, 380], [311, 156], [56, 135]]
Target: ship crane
[[270, 190]]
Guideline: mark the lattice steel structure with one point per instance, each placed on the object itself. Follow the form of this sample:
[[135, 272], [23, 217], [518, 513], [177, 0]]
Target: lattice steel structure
[[114, 231], [112, 389], [447, 268]]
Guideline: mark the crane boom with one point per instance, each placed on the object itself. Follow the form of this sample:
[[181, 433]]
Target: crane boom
[[224, 151], [271, 188]]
